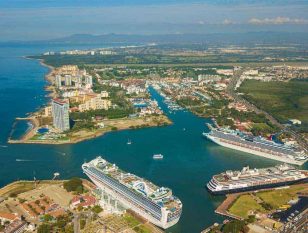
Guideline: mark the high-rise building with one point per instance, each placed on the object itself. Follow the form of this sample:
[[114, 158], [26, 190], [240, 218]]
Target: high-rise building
[[60, 114], [89, 81], [68, 80], [58, 81]]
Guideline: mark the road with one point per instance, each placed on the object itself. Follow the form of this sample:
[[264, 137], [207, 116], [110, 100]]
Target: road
[[76, 223], [231, 91]]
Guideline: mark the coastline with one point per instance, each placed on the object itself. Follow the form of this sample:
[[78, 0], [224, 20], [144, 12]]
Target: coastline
[[82, 135]]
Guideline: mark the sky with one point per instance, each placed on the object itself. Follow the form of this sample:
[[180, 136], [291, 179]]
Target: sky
[[48, 19]]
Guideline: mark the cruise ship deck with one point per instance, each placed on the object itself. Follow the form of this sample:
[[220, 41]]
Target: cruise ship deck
[[257, 145], [250, 179], [156, 204]]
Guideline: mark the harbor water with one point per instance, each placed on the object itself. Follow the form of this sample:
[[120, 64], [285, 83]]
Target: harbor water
[[189, 160]]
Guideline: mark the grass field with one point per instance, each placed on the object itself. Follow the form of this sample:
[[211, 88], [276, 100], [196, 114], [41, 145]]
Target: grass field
[[284, 100], [279, 197], [275, 198], [243, 205]]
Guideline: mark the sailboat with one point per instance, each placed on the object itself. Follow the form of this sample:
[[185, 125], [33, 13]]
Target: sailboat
[[129, 142]]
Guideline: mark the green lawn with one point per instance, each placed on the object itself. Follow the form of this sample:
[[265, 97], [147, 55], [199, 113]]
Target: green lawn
[[279, 197], [243, 205], [275, 198], [284, 100], [131, 221]]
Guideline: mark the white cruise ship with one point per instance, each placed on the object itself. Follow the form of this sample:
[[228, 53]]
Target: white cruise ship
[[253, 179], [156, 204], [256, 145]]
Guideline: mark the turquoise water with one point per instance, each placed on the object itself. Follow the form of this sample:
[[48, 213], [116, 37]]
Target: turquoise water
[[189, 160]]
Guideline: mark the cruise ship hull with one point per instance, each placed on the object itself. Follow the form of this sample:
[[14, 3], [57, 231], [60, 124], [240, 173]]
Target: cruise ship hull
[[129, 205], [253, 188], [254, 152]]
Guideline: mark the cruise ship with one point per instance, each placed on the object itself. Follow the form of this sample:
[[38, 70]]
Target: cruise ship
[[256, 145], [156, 204], [253, 179]]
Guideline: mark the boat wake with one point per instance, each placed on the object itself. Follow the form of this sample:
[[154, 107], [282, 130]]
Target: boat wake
[[61, 153], [3, 146], [23, 160]]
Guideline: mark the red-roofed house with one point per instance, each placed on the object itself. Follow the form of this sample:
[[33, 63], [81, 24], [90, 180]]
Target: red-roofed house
[[5, 216], [83, 201]]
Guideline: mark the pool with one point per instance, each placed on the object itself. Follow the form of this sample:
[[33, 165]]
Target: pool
[[43, 130]]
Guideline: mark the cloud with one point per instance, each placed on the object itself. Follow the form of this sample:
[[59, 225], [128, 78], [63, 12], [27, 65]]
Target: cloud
[[201, 22], [227, 22], [277, 21]]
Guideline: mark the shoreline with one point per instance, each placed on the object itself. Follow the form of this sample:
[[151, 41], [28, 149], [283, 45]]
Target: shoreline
[[89, 134], [84, 135], [32, 116], [228, 202]]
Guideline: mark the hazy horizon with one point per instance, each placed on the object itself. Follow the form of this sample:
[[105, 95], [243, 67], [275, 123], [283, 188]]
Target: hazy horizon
[[40, 20]]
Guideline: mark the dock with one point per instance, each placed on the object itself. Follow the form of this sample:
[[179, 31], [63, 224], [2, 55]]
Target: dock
[[222, 209]]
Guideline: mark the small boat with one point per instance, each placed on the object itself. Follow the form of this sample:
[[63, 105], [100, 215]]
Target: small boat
[[158, 156], [129, 142]]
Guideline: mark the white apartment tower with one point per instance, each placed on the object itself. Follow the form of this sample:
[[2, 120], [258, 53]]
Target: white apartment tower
[[58, 81], [60, 114], [68, 80]]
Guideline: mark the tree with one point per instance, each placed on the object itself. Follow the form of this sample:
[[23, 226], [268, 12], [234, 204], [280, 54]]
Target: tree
[[47, 218], [82, 223], [74, 184], [69, 229], [234, 226], [97, 209], [44, 228]]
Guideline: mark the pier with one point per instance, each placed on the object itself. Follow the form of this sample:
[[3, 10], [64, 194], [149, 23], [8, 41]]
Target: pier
[[222, 209]]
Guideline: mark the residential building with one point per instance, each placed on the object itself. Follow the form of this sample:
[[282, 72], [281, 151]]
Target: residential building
[[58, 81], [10, 217], [68, 80], [95, 103], [227, 72], [60, 114], [88, 81], [83, 201], [69, 69], [208, 78], [47, 111]]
